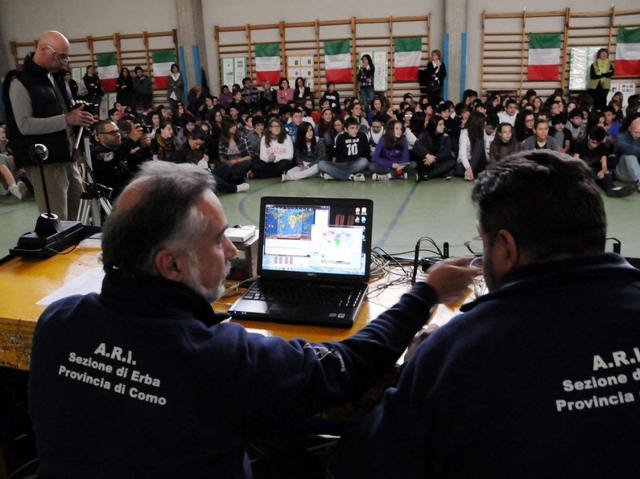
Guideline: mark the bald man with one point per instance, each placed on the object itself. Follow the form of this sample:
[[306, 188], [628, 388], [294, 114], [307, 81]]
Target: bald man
[[40, 109]]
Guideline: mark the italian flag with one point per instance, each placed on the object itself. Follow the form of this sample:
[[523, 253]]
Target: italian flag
[[268, 63], [107, 70], [544, 56], [628, 52], [407, 53], [162, 61], [337, 61]]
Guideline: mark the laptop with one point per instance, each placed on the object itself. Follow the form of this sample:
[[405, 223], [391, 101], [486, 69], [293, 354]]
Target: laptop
[[314, 258]]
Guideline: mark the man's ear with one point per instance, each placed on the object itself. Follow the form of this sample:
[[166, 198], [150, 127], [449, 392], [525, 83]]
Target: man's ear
[[170, 264], [509, 249]]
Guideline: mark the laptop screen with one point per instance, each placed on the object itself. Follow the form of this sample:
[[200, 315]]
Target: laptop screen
[[316, 237]]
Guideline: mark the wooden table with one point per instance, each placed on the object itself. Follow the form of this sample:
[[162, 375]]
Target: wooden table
[[24, 282]]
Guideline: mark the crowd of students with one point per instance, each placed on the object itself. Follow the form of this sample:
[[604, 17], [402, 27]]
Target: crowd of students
[[246, 133]]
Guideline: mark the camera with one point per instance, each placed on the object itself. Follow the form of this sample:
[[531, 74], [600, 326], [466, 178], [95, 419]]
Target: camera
[[92, 108], [145, 128]]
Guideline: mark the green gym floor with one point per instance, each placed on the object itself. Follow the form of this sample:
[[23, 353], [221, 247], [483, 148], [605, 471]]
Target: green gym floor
[[403, 212]]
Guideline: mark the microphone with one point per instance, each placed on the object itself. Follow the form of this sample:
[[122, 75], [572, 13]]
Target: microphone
[[51, 236]]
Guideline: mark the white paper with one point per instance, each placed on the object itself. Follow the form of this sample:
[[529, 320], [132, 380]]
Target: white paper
[[89, 282]]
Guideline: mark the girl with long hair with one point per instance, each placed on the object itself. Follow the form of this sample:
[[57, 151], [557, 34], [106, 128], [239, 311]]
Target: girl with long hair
[[300, 92], [309, 151], [285, 94], [433, 152], [471, 156], [325, 123], [233, 148], [365, 77], [390, 159], [124, 87], [504, 144], [337, 128], [524, 125], [276, 152]]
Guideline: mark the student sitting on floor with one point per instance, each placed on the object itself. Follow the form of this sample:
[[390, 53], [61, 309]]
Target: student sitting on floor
[[276, 152], [593, 151], [390, 159], [308, 152], [351, 155], [433, 149]]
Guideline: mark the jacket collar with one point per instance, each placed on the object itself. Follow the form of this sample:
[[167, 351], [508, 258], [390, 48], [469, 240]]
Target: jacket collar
[[156, 297], [547, 274]]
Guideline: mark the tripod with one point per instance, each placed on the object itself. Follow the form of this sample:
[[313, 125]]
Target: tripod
[[95, 198]]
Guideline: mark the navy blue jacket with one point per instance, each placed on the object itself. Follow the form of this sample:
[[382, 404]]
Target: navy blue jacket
[[539, 379], [193, 389]]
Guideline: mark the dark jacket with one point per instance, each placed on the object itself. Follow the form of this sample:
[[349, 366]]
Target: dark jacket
[[425, 145], [499, 388], [44, 102], [192, 388], [365, 76]]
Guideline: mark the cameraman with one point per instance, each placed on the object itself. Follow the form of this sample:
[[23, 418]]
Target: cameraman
[[39, 109], [113, 159]]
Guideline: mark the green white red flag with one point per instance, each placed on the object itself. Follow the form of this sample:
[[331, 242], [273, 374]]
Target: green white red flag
[[628, 52], [162, 61], [544, 56], [337, 61], [268, 63], [107, 70], [407, 54]]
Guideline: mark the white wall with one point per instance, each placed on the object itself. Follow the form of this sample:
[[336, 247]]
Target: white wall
[[25, 20], [474, 22], [240, 12]]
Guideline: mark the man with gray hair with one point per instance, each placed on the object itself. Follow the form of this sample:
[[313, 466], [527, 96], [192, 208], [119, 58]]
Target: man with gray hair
[[146, 380]]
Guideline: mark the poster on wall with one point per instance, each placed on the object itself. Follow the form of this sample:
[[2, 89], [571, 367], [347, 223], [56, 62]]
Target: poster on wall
[[380, 79], [307, 74], [240, 69], [226, 69], [307, 70], [579, 65]]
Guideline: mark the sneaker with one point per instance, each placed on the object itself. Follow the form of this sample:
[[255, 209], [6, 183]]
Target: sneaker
[[379, 177], [620, 191], [249, 175], [284, 177], [405, 176], [327, 176], [420, 177], [242, 187], [15, 191], [23, 189], [357, 177]]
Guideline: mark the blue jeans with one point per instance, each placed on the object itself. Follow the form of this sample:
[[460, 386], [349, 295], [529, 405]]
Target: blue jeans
[[342, 171], [366, 97], [383, 170]]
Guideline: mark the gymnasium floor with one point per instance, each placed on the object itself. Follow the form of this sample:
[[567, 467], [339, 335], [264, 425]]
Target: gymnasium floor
[[403, 212]]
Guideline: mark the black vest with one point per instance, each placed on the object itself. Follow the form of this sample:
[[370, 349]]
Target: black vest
[[44, 103]]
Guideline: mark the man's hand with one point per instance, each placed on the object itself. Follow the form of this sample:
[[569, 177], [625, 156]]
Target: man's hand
[[136, 132], [451, 278], [145, 141], [79, 117], [468, 174], [601, 173], [418, 339]]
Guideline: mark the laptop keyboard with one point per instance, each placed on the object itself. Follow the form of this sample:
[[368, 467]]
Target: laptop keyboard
[[305, 292]]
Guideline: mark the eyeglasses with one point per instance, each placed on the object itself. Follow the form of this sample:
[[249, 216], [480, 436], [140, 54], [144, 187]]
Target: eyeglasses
[[274, 126], [113, 133], [474, 245], [61, 56]]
